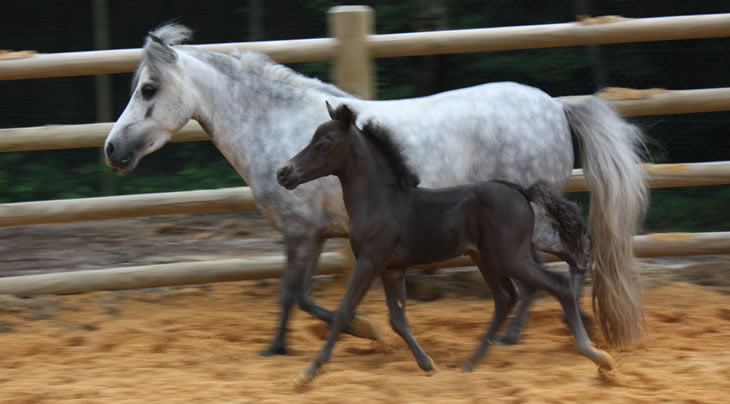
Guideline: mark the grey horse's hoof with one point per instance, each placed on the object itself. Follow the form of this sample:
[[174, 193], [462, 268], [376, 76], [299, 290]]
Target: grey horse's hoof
[[467, 366], [274, 351], [508, 339]]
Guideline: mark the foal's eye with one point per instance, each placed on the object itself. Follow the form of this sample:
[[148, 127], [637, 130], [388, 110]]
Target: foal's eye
[[148, 91], [323, 146]]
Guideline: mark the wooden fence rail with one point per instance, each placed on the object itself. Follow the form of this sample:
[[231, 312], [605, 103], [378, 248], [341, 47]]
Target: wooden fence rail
[[601, 31], [53, 137], [151, 276], [239, 198], [189, 273], [115, 207]]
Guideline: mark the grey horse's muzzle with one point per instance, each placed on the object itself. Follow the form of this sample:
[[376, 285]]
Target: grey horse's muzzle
[[118, 156]]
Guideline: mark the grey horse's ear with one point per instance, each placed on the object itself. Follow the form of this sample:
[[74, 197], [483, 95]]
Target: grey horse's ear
[[345, 115], [158, 52], [331, 110]]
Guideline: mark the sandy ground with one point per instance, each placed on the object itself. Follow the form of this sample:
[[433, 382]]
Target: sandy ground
[[201, 344]]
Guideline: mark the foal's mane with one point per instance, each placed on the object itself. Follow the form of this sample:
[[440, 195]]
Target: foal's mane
[[382, 138], [252, 63]]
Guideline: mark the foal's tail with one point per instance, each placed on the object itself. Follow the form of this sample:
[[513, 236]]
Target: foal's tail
[[610, 154], [565, 218]]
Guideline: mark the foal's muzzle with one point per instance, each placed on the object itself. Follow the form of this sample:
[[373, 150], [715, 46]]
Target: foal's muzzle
[[285, 178]]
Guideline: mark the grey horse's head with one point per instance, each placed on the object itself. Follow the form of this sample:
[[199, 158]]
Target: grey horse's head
[[162, 101]]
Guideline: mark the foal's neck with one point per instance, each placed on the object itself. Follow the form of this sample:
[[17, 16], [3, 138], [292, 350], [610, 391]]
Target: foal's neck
[[368, 182]]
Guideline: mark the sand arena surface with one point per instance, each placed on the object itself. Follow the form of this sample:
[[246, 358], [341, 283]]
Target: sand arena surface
[[197, 345]]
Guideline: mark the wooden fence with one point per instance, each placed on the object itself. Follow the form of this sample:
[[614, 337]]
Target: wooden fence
[[352, 49]]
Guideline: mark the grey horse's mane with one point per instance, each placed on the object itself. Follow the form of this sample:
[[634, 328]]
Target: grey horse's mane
[[171, 34], [252, 63], [261, 65]]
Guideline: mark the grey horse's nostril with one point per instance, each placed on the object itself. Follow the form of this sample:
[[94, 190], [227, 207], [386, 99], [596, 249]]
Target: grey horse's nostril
[[126, 159], [109, 149]]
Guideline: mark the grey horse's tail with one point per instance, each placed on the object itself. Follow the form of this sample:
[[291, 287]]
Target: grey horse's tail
[[565, 218], [610, 153]]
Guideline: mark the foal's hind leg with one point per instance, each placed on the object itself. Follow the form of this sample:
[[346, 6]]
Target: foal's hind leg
[[559, 286], [505, 296], [395, 293]]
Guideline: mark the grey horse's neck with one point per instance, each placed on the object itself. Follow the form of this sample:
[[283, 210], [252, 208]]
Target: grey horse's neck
[[250, 106]]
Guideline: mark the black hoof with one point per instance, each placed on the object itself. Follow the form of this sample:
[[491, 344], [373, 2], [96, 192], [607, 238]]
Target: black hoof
[[508, 340], [467, 366], [273, 351]]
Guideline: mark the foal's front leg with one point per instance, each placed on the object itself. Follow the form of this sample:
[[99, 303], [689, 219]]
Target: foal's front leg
[[395, 293], [302, 254], [362, 277]]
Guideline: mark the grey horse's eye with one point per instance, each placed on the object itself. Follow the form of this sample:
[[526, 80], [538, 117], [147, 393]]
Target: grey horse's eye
[[148, 91]]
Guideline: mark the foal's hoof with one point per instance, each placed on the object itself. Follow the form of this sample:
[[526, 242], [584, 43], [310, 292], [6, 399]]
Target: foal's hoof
[[467, 366], [428, 365], [304, 377], [363, 328]]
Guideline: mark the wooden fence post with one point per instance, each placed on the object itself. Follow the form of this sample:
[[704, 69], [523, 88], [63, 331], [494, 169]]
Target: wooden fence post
[[352, 69]]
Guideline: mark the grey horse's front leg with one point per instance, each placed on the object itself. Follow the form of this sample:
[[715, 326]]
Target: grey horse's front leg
[[302, 258], [302, 255]]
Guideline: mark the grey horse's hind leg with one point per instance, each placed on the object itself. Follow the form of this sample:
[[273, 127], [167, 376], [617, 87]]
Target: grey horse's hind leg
[[559, 286], [546, 238], [527, 297], [302, 255], [505, 297]]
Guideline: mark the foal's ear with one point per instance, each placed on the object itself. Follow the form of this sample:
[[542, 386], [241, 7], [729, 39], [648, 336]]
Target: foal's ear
[[345, 115], [331, 111]]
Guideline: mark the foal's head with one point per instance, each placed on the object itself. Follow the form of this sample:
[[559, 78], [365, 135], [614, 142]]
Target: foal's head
[[324, 155]]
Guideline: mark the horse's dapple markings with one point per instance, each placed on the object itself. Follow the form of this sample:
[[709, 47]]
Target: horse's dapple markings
[[259, 113]]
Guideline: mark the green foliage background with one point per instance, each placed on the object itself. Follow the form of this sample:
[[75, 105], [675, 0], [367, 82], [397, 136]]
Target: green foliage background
[[61, 26]]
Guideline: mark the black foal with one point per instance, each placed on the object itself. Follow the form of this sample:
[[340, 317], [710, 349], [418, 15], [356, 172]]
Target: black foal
[[394, 225]]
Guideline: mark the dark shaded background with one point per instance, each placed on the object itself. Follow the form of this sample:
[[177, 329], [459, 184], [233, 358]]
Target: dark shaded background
[[62, 26]]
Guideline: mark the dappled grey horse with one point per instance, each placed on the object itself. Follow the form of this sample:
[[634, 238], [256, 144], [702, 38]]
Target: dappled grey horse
[[259, 113]]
